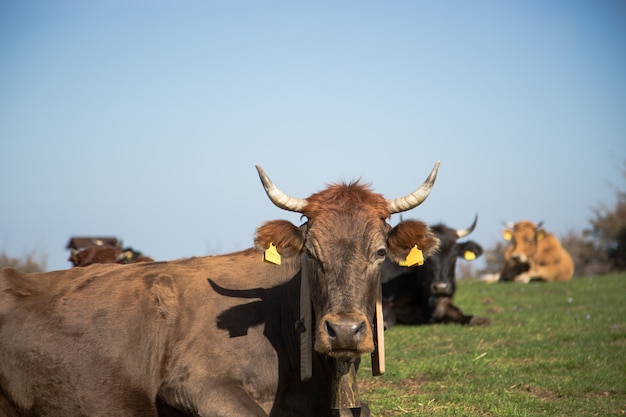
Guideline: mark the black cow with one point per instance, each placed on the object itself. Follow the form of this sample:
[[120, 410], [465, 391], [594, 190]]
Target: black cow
[[216, 335], [423, 294]]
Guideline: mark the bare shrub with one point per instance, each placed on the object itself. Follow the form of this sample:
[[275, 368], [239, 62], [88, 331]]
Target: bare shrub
[[608, 230], [30, 262]]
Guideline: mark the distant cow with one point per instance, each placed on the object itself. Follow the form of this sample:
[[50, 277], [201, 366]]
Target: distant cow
[[106, 255], [423, 294], [534, 254], [217, 335]]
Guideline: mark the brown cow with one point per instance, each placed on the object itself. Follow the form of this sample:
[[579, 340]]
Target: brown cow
[[534, 254], [216, 335], [106, 255]]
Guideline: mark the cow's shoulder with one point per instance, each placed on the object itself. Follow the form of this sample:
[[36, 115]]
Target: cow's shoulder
[[548, 246], [247, 268]]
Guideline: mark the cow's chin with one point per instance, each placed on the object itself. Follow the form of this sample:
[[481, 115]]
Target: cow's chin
[[344, 355]]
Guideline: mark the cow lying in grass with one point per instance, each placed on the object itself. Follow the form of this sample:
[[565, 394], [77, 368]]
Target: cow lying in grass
[[423, 294], [534, 254]]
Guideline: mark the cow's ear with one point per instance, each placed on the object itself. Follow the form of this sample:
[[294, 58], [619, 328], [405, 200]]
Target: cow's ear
[[406, 235], [470, 250], [541, 233], [287, 238], [507, 234]]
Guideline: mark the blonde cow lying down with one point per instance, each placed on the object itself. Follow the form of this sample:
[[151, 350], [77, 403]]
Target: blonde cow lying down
[[534, 254]]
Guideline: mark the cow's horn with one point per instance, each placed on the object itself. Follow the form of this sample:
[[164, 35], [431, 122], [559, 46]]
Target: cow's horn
[[508, 224], [279, 198], [464, 232], [538, 225], [408, 202]]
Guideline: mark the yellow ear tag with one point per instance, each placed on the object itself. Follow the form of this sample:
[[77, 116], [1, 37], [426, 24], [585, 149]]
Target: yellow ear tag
[[507, 234], [469, 255], [415, 257], [271, 255]]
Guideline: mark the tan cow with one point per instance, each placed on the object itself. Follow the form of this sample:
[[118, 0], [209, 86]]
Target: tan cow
[[534, 254]]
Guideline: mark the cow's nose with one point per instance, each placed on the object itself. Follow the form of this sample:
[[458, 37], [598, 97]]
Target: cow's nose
[[516, 257], [440, 287], [345, 334]]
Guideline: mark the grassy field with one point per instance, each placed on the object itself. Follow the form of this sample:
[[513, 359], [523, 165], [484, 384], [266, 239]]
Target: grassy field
[[556, 349]]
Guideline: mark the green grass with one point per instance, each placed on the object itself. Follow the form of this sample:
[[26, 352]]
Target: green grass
[[556, 349]]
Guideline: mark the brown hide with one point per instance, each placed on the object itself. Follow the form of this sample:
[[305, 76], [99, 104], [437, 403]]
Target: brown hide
[[106, 255], [535, 254], [111, 339], [207, 336], [95, 255]]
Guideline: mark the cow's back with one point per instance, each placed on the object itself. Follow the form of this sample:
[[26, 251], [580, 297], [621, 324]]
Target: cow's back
[[553, 259], [114, 340], [65, 336]]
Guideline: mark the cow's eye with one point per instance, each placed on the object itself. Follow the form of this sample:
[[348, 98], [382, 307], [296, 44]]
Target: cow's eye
[[318, 264], [382, 252]]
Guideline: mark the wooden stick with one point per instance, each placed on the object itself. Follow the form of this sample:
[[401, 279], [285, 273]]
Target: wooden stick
[[306, 338], [378, 355]]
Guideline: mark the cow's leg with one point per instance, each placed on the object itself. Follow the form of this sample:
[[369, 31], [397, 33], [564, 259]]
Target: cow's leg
[[447, 312], [543, 272], [451, 313], [229, 400], [524, 278], [455, 315], [220, 399], [364, 411]]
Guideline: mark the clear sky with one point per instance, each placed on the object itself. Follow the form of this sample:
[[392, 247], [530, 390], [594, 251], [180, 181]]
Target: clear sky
[[144, 119]]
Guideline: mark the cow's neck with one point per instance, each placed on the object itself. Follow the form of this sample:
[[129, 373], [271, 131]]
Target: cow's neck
[[344, 392], [343, 385]]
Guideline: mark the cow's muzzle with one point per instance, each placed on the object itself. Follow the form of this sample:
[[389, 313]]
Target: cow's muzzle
[[344, 336], [519, 257], [441, 289]]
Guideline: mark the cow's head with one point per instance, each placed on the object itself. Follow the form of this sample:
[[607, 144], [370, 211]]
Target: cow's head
[[95, 255], [524, 237], [106, 255], [345, 240], [441, 267]]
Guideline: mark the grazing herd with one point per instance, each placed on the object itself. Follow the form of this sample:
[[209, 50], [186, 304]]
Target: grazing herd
[[274, 330]]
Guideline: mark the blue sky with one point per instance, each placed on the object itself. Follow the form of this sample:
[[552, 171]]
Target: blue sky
[[144, 120]]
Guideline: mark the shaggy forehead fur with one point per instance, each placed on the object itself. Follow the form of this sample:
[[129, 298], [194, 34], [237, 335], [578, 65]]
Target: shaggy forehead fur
[[411, 232], [524, 225], [344, 197]]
